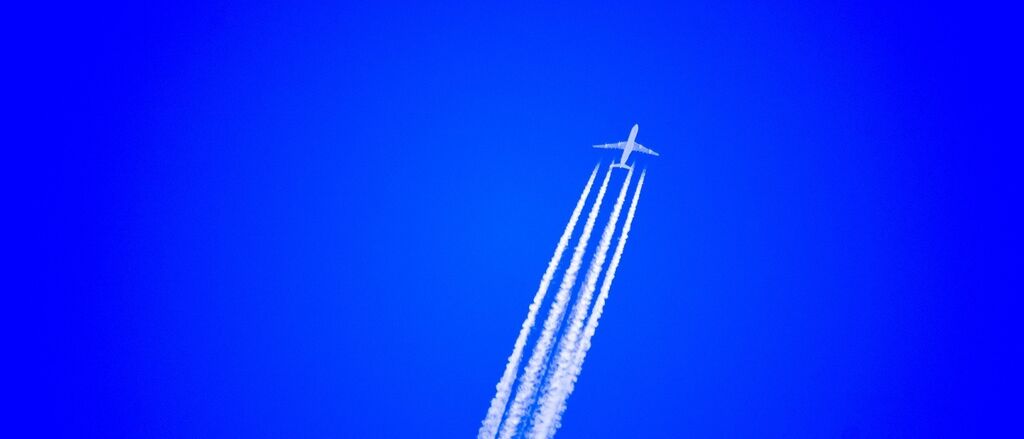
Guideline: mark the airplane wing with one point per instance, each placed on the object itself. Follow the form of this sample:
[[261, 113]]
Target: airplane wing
[[620, 145], [643, 149]]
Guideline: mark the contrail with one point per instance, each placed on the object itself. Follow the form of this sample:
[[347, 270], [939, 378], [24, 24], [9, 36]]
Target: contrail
[[504, 387], [567, 346], [528, 384], [595, 316]]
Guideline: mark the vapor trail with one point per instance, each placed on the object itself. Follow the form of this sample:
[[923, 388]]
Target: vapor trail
[[568, 344], [528, 384], [595, 316], [504, 387]]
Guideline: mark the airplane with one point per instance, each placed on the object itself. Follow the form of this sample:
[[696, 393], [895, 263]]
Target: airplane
[[627, 147]]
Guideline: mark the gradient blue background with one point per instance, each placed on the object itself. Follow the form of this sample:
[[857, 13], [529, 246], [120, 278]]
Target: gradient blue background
[[327, 220]]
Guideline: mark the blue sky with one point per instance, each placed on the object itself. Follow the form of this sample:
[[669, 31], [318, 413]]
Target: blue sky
[[327, 220]]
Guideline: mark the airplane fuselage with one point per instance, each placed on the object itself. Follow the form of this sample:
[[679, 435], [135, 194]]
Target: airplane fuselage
[[630, 144]]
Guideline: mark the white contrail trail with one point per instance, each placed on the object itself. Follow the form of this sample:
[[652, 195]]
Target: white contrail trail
[[504, 386], [595, 316], [528, 384], [562, 366]]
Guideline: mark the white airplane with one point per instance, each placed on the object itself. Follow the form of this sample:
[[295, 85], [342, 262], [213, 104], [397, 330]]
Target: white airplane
[[627, 147]]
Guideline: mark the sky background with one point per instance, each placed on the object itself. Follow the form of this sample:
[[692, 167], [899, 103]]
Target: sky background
[[328, 220]]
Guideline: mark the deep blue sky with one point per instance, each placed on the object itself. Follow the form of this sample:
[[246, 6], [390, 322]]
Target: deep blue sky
[[327, 220]]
